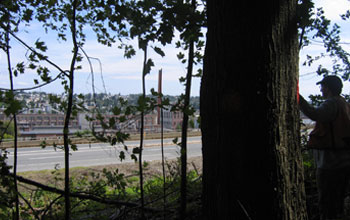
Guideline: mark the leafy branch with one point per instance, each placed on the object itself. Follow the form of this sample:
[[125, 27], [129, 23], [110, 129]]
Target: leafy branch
[[314, 25]]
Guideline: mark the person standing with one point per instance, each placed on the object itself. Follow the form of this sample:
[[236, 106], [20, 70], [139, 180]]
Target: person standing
[[330, 144]]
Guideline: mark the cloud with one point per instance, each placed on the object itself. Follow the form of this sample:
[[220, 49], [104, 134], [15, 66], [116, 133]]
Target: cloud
[[120, 75], [333, 8], [115, 66]]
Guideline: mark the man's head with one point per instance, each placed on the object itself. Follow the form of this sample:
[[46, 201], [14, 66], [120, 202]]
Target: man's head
[[331, 84]]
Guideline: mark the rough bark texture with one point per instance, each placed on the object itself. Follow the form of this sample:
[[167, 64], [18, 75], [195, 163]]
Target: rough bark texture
[[252, 164]]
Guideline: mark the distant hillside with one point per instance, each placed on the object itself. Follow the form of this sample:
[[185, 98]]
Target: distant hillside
[[40, 100]]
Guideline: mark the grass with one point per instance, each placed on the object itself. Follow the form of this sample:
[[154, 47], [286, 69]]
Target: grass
[[121, 183], [117, 182]]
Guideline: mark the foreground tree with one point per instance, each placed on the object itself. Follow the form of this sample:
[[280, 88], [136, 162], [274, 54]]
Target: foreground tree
[[252, 166]]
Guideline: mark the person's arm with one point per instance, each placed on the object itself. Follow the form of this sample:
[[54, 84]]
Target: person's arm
[[325, 113]]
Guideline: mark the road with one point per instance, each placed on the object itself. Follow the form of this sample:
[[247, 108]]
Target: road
[[36, 158]]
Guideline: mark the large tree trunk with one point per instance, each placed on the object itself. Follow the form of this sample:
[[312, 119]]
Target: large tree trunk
[[250, 119]]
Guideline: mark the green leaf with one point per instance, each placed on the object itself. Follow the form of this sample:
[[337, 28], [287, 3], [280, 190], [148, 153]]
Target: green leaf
[[20, 67], [27, 15], [133, 156], [113, 141], [122, 155], [128, 111], [112, 122], [116, 110], [122, 119], [74, 147], [121, 137], [142, 44], [199, 73], [141, 101], [129, 51], [175, 140], [32, 66], [189, 111], [182, 79], [148, 66], [136, 150], [54, 99], [159, 51], [14, 106], [154, 93], [166, 102], [40, 45], [43, 144], [44, 74], [78, 134], [180, 56]]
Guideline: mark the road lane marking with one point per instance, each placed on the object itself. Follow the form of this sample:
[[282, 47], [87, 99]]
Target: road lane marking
[[98, 146], [81, 150], [42, 158]]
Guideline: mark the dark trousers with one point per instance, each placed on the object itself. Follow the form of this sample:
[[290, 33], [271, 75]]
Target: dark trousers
[[332, 185]]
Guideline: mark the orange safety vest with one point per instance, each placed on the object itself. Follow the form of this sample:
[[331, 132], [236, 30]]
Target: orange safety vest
[[335, 134]]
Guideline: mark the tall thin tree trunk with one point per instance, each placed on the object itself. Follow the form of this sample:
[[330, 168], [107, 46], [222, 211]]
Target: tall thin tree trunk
[[15, 123], [252, 166], [183, 205], [142, 130], [184, 132], [161, 122], [68, 115]]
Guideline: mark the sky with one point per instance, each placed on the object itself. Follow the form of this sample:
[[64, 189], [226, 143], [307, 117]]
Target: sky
[[123, 76], [115, 75], [307, 75]]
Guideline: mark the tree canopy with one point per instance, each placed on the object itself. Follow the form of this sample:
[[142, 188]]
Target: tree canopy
[[153, 24]]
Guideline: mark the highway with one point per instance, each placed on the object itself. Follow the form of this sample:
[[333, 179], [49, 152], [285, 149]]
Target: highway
[[36, 158]]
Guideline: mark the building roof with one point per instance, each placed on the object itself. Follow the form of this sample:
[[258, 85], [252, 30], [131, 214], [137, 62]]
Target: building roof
[[48, 130]]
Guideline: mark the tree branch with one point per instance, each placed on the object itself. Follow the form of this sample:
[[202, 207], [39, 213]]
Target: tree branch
[[38, 54], [31, 49], [29, 205], [77, 195], [34, 87]]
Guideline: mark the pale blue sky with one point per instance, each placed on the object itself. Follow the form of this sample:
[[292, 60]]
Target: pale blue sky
[[119, 75], [123, 76], [308, 76]]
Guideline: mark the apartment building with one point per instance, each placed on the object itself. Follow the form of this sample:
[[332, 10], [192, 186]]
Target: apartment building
[[41, 125], [51, 125], [29, 121]]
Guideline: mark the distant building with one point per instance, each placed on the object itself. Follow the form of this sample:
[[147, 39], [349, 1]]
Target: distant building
[[46, 132], [35, 125], [176, 122], [41, 125], [172, 120], [29, 121]]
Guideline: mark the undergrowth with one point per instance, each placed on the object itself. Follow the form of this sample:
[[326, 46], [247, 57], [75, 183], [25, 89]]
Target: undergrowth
[[110, 187]]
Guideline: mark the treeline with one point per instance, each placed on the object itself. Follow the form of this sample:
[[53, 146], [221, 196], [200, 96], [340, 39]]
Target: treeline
[[108, 100], [101, 100]]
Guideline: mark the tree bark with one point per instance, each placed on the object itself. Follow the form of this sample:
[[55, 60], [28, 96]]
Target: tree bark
[[252, 165]]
